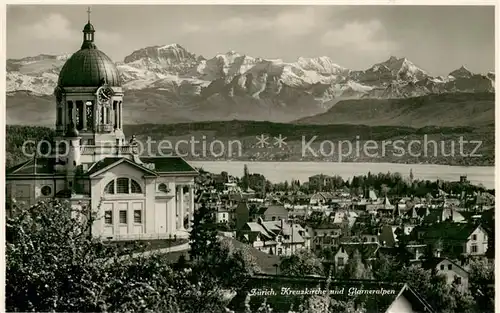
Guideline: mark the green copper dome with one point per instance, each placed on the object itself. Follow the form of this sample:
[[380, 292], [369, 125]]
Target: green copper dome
[[89, 67]]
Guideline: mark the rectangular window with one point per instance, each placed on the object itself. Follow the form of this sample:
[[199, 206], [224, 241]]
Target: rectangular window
[[449, 267], [442, 267], [474, 237], [340, 261], [138, 216], [474, 249], [123, 217], [459, 280], [108, 217], [280, 251]]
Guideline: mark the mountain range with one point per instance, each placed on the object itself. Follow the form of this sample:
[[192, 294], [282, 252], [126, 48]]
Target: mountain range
[[168, 84]]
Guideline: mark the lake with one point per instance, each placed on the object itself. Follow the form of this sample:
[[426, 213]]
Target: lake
[[281, 171]]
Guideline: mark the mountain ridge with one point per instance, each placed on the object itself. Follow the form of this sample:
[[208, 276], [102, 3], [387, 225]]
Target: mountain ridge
[[235, 85]]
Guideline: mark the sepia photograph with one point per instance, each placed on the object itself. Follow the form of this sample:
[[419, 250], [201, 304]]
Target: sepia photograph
[[250, 158]]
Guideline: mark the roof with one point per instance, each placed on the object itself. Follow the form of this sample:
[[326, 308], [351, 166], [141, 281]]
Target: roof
[[434, 262], [446, 230], [89, 67], [351, 247], [33, 167], [325, 225], [264, 260], [170, 164], [444, 214], [273, 210], [88, 28], [256, 227], [102, 164]]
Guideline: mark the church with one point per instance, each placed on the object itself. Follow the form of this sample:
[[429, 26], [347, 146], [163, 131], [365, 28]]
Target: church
[[93, 165]]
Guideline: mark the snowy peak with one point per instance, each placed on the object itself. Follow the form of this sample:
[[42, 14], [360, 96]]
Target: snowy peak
[[164, 54], [392, 70], [174, 69], [462, 72], [322, 65], [404, 69]]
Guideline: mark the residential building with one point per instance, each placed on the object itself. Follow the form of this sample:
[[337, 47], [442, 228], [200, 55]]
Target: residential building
[[273, 213], [324, 235], [453, 239], [275, 237], [346, 250], [455, 274]]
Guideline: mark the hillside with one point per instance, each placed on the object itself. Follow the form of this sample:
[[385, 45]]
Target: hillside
[[245, 134], [465, 109], [161, 107]]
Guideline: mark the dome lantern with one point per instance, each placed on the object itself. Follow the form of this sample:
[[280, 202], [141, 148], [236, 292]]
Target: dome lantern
[[88, 34]]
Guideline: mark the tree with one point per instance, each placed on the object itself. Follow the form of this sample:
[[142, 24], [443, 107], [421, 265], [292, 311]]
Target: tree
[[302, 263], [384, 189], [433, 288], [53, 264], [481, 283], [246, 176], [203, 235], [355, 268]]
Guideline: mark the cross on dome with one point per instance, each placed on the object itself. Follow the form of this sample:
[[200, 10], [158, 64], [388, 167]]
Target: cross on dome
[[88, 12]]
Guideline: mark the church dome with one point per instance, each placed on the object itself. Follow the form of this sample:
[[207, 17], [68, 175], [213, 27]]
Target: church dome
[[89, 67]]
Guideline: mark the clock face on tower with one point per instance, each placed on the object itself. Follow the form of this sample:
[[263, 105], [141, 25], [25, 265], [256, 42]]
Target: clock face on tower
[[104, 94]]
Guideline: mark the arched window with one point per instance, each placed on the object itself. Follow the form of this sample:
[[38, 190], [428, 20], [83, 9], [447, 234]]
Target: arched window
[[135, 187], [110, 187], [122, 185]]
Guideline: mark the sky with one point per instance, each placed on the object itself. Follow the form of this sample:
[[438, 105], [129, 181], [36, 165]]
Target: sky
[[438, 39]]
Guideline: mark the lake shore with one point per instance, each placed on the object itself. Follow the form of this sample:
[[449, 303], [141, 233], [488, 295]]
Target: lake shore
[[288, 170]]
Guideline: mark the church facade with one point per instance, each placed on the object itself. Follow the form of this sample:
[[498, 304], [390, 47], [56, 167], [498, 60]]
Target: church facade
[[92, 164]]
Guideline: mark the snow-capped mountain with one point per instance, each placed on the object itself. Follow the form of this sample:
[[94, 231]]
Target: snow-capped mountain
[[462, 72], [233, 80], [392, 70]]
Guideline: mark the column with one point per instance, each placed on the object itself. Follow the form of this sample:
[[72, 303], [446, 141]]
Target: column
[[120, 117], [191, 204], [180, 195], [96, 117], [115, 113], [84, 110]]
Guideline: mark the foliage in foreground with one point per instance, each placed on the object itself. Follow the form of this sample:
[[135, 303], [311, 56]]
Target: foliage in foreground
[[53, 264]]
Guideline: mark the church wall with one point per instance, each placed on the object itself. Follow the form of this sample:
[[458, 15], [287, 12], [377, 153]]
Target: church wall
[[149, 210], [158, 207], [23, 191], [117, 202], [39, 184]]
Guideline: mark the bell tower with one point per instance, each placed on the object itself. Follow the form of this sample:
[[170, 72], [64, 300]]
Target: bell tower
[[89, 100]]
